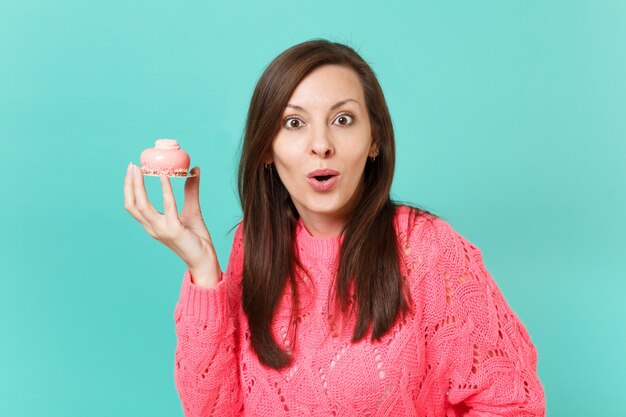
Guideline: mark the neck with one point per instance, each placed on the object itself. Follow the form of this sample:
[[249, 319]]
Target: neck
[[322, 226]]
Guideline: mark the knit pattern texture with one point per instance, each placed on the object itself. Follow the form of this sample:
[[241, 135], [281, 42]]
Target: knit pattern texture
[[461, 352]]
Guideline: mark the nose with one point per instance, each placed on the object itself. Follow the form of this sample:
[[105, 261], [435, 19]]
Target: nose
[[321, 146]]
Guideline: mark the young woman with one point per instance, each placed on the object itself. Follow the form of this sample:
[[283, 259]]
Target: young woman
[[336, 301]]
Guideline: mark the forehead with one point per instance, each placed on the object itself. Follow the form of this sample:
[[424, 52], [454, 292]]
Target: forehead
[[327, 85]]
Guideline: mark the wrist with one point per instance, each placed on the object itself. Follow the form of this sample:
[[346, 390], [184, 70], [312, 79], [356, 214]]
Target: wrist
[[205, 277]]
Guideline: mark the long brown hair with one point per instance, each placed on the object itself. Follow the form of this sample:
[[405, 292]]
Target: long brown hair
[[369, 257]]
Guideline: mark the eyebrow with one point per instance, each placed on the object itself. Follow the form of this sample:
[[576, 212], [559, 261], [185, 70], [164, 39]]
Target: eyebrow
[[333, 107]]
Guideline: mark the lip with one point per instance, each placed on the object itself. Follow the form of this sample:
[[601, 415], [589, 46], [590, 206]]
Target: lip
[[321, 172], [322, 186]]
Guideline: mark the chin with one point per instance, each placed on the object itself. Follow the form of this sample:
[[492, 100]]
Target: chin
[[314, 205], [330, 210]]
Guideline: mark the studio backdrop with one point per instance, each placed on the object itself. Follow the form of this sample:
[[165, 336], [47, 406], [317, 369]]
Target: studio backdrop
[[509, 120]]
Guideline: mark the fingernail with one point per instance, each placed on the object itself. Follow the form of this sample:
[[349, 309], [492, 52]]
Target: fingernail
[[130, 164]]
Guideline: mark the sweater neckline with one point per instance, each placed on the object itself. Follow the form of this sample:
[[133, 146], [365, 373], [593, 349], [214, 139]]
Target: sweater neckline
[[316, 247]]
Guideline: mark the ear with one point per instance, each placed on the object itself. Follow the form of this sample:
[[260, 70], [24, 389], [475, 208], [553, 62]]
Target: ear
[[373, 150]]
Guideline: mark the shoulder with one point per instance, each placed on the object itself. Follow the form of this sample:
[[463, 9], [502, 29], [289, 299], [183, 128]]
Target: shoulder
[[436, 258], [237, 247], [428, 234], [234, 270], [238, 238], [409, 219]]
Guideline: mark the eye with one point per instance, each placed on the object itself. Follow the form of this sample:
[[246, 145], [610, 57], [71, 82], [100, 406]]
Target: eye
[[345, 119], [293, 123]]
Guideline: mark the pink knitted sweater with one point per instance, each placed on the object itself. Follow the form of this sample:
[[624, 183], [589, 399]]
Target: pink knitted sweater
[[462, 352]]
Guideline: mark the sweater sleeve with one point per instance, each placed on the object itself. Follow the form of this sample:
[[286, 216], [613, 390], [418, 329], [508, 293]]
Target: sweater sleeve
[[206, 369], [488, 364]]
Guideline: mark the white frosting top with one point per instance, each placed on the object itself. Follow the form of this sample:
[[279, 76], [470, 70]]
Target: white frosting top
[[167, 144]]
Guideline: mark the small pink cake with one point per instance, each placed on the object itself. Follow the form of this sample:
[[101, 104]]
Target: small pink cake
[[166, 158]]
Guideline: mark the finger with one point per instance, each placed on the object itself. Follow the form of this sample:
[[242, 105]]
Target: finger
[[129, 196], [191, 205], [169, 202], [147, 210]]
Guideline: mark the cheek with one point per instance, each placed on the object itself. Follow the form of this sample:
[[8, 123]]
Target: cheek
[[356, 156], [284, 173], [285, 163], [283, 150], [359, 143], [288, 154]]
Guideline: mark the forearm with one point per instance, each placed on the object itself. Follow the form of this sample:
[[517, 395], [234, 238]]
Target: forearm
[[206, 371]]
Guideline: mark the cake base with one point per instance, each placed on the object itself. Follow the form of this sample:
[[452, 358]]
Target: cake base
[[172, 173]]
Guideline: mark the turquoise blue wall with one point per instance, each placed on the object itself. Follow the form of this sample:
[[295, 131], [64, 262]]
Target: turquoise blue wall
[[511, 124]]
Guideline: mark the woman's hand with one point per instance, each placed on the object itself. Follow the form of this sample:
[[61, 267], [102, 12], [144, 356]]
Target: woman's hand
[[186, 235]]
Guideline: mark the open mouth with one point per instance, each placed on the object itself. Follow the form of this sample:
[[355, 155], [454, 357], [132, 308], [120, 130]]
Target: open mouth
[[323, 180]]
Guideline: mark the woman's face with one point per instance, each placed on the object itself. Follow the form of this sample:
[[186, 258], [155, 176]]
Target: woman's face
[[322, 147]]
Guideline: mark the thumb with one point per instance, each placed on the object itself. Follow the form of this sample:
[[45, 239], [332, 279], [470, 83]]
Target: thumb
[[191, 204]]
